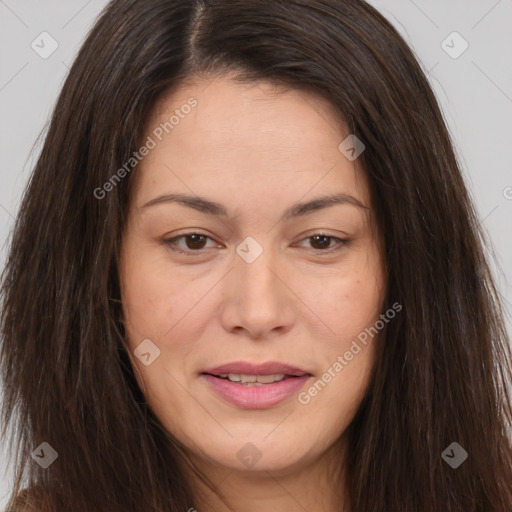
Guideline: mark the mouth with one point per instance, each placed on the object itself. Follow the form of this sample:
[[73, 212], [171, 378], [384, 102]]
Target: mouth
[[250, 386]]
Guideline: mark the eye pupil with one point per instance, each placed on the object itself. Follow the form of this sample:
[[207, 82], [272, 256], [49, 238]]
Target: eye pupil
[[324, 240], [196, 239]]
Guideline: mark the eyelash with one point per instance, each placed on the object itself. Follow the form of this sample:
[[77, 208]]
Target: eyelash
[[171, 243]]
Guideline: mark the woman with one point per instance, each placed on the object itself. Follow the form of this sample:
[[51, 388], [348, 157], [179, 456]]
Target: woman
[[242, 279]]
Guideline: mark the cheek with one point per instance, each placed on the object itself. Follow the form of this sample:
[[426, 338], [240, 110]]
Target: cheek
[[155, 296], [351, 302], [351, 307], [167, 307]]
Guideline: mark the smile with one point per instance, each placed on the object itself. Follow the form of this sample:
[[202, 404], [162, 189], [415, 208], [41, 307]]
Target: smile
[[250, 386]]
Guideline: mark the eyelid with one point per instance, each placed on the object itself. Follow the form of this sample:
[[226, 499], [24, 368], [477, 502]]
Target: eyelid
[[170, 242], [340, 242]]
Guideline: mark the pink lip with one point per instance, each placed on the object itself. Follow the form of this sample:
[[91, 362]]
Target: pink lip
[[256, 397]]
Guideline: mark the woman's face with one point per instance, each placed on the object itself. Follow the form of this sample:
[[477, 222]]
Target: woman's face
[[249, 273]]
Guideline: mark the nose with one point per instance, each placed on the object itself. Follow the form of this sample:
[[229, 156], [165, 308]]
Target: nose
[[259, 300]]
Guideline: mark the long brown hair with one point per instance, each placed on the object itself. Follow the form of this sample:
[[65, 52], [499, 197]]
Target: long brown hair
[[443, 368]]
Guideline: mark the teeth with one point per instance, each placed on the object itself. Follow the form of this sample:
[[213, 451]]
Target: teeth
[[255, 380], [267, 379]]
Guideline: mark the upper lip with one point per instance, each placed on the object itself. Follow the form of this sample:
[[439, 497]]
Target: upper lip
[[247, 368]]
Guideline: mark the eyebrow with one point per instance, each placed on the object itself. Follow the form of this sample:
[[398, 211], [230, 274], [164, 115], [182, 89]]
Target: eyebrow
[[204, 205]]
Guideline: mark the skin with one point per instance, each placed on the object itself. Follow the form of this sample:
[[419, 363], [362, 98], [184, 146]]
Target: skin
[[256, 149]]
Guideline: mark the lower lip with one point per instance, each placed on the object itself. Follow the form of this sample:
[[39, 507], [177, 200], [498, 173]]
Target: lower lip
[[256, 397]]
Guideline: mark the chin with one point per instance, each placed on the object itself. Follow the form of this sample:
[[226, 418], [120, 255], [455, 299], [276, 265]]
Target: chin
[[254, 453]]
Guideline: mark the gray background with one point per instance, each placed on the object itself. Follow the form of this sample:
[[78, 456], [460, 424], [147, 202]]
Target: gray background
[[474, 89]]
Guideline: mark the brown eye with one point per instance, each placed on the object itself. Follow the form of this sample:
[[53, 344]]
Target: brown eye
[[322, 243], [194, 243]]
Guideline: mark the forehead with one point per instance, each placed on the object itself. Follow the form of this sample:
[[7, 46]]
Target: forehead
[[250, 115], [255, 136]]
